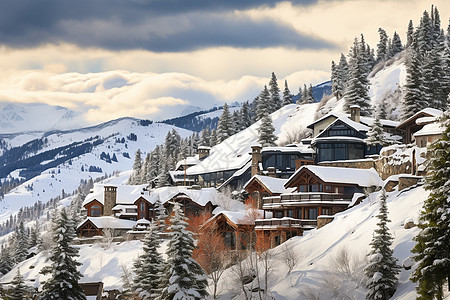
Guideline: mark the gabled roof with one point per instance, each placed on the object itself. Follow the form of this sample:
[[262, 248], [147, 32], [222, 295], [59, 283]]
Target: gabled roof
[[274, 185], [428, 112], [126, 194], [430, 129], [361, 177], [201, 196], [109, 222], [367, 121], [346, 120], [235, 217]]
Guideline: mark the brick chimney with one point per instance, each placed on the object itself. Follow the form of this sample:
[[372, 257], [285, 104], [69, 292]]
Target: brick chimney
[[355, 113], [110, 199], [203, 152], [256, 159]]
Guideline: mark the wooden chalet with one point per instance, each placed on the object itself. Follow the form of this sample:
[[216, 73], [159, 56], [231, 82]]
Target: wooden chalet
[[319, 193], [190, 207], [95, 226], [259, 187], [236, 228], [411, 126]]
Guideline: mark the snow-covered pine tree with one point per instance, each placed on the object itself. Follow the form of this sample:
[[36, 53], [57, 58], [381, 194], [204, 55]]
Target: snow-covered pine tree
[[223, 128], [396, 44], [382, 269], [287, 97], [274, 90], [64, 276], [148, 280], [382, 49], [235, 124], [300, 95], [18, 290], [309, 96], [20, 243], [304, 93], [376, 135], [213, 139], [432, 252], [160, 215], [341, 77], [163, 176], [413, 96], [6, 261], [263, 105], [266, 136], [136, 176], [184, 278], [409, 34], [357, 85], [205, 137], [246, 120]]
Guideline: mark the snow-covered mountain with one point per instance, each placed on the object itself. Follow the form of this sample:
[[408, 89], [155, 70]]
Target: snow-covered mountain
[[62, 158], [26, 117]]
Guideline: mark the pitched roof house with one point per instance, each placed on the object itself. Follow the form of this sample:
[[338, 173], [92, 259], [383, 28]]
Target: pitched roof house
[[318, 191]]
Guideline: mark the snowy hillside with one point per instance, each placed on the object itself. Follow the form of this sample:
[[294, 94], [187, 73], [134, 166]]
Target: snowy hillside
[[316, 276], [118, 140], [234, 152], [314, 271], [37, 117]]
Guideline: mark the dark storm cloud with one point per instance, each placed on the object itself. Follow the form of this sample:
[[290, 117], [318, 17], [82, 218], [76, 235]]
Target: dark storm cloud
[[165, 25]]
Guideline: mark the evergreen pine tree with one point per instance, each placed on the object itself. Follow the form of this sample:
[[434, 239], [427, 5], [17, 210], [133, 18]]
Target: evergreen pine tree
[[245, 116], [223, 128], [341, 77], [432, 250], [275, 101], [18, 290], [184, 279], [413, 98], [396, 44], [382, 269], [409, 34], [382, 49], [357, 86], [63, 283], [136, 176], [266, 136], [213, 139], [300, 95], [20, 243], [287, 97], [263, 104], [148, 280], [376, 135], [6, 261]]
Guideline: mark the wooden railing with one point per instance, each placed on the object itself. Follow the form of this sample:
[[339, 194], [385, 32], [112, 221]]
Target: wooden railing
[[305, 197], [285, 223]]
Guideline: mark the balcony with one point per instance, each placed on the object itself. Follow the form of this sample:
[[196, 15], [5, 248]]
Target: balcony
[[295, 199], [284, 223]]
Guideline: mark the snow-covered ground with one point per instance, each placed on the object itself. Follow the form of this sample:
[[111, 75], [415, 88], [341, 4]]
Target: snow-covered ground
[[351, 230]]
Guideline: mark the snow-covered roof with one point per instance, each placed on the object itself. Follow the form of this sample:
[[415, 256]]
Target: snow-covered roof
[[369, 121], [124, 206], [337, 138], [300, 148], [426, 120], [429, 111], [201, 197], [275, 185], [143, 221], [430, 129], [126, 194], [236, 174], [109, 222], [188, 161], [361, 177], [240, 217], [363, 120]]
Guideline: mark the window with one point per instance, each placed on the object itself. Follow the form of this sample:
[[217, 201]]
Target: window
[[96, 210], [312, 213], [290, 213], [230, 239], [277, 214], [327, 211], [328, 188], [142, 206], [302, 188]]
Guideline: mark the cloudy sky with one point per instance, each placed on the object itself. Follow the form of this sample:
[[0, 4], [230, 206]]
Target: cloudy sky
[[153, 58]]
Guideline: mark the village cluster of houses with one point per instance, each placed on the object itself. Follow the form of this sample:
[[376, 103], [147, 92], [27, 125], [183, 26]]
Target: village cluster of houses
[[295, 188]]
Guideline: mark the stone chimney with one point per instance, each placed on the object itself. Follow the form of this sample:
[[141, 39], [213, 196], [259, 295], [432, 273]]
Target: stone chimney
[[355, 113], [110, 199], [203, 152], [256, 159]]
